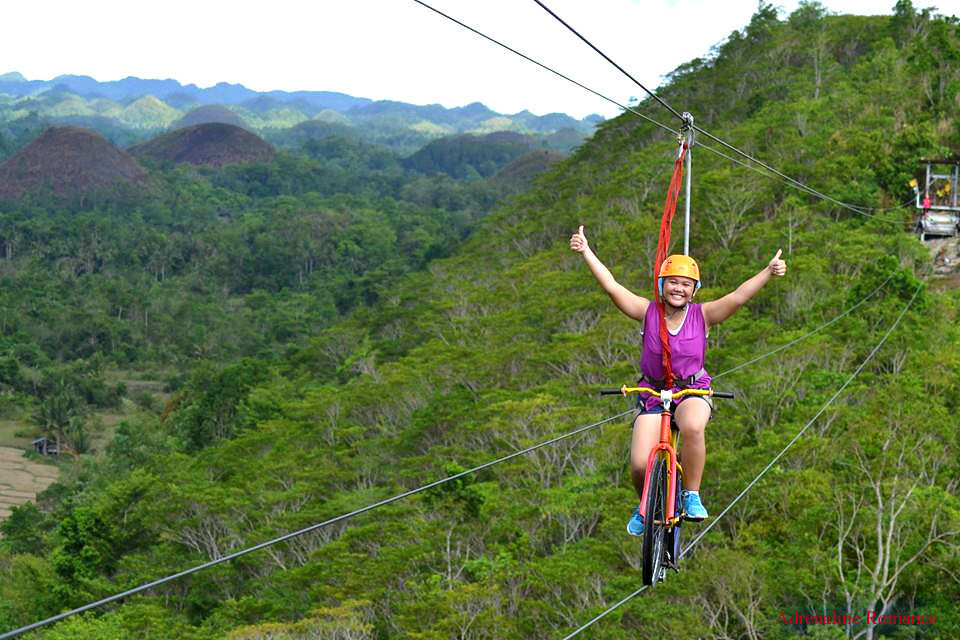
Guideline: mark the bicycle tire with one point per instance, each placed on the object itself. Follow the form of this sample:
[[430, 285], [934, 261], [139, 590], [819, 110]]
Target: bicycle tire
[[654, 529]]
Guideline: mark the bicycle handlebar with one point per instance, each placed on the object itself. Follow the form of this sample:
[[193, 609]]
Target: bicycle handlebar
[[625, 390]]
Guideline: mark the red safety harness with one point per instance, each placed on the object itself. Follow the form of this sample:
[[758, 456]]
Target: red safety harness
[[663, 246]]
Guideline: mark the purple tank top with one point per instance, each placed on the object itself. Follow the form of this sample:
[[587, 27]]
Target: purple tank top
[[688, 349]]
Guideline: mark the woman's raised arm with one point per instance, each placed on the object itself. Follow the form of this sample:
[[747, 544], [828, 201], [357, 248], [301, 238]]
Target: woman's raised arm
[[628, 302], [717, 311]]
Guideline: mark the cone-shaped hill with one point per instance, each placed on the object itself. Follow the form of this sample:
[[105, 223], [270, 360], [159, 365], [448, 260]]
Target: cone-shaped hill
[[457, 156], [67, 161], [208, 113], [526, 167], [212, 143]]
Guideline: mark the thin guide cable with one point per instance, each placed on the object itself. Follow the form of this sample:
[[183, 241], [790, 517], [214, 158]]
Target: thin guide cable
[[233, 556], [800, 433], [806, 335], [545, 67], [769, 466], [793, 181], [607, 612], [855, 208]]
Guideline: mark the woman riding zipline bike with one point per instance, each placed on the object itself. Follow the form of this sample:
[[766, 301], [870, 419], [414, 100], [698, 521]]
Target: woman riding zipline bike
[[688, 325], [660, 505]]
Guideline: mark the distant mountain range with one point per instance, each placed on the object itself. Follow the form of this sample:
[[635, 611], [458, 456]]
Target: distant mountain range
[[131, 110], [173, 92]]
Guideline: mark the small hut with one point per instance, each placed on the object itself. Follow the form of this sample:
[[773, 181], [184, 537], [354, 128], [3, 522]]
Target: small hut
[[45, 447]]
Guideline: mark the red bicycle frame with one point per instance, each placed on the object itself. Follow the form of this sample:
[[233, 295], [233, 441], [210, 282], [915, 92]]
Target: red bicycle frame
[[665, 445]]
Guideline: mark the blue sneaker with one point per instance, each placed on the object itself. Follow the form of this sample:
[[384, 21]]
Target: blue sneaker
[[692, 506], [635, 524]]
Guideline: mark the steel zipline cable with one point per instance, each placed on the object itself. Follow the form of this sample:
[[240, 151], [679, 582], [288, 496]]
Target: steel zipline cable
[[666, 106], [400, 496], [767, 468], [543, 66], [793, 181], [773, 174], [803, 188], [790, 181]]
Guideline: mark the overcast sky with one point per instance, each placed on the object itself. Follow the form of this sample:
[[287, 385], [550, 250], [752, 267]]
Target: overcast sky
[[385, 49]]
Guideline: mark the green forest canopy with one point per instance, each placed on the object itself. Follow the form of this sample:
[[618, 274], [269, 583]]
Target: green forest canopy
[[503, 342]]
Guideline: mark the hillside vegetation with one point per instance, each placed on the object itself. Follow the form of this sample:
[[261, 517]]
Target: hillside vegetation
[[503, 343], [119, 280]]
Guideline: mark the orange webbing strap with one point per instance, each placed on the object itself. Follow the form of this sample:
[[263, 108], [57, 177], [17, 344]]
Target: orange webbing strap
[[663, 246]]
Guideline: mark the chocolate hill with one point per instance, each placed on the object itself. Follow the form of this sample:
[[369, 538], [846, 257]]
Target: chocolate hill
[[212, 143], [210, 113], [525, 168], [457, 156], [67, 161]]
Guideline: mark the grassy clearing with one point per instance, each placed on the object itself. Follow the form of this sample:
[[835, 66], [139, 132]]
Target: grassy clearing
[[145, 390], [21, 479], [8, 434]]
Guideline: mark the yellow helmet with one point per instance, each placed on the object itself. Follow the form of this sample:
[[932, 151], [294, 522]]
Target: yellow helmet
[[678, 265]]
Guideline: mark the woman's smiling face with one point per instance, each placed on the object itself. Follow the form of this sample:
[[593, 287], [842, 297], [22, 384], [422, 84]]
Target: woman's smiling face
[[678, 290]]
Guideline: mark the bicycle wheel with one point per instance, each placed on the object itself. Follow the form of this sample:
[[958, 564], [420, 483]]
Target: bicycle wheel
[[655, 525]]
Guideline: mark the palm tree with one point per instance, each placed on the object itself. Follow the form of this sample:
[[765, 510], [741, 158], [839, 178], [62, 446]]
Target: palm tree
[[56, 411]]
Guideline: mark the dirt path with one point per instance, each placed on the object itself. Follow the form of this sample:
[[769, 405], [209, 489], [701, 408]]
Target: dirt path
[[21, 479]]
